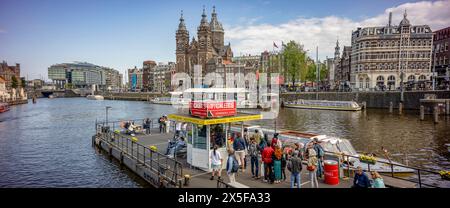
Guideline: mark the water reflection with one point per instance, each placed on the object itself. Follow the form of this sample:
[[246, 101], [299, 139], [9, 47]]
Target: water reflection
[[49, 144]]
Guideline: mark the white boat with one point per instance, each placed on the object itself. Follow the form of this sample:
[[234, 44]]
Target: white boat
[[95, 97], [162, 101], [324, 105], [332, 145]]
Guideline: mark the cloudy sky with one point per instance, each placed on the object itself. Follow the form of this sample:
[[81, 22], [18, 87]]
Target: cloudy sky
[[122, 34]]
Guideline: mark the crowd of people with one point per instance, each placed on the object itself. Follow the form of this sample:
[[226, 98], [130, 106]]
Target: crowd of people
[[269, 159]]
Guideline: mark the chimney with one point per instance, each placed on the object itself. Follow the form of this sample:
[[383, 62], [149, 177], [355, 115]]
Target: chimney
[[390, 19]]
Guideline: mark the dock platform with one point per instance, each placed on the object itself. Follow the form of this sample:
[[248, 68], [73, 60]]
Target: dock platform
[[198, 178]]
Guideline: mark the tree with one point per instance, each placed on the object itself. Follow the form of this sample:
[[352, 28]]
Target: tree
[[14, 82], [294, 61], [311, 73], [22, 82]]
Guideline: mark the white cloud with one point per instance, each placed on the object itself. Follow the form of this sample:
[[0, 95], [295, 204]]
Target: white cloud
[[255, 38]]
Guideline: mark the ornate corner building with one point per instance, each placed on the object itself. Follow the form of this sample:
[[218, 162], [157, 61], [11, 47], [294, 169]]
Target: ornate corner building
[[387, 57], [208, 45]]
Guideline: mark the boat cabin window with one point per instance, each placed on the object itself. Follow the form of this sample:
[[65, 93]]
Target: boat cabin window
[[199, 136], [217, 135]]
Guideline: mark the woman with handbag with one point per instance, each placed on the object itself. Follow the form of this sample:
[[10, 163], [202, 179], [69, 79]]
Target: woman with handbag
[[312, 167]]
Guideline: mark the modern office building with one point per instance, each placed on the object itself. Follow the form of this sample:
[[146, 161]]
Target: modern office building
[[83, 75], [388, 57]]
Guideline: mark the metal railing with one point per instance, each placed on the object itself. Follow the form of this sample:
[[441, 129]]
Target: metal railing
[[154, 124], [419, 171], [222, 184], [168, 168]]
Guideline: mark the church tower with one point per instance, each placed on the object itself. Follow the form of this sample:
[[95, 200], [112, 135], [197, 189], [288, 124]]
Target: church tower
[[337, 53], [182, 41], [216, 30], [205, 50]]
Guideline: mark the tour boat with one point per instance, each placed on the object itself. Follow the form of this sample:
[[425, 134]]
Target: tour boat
[[95, 97], [324, 105], [333, 145], [4, 107], [162, 101]]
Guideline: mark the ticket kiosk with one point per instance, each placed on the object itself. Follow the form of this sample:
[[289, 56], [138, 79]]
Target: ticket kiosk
[[210, 123]]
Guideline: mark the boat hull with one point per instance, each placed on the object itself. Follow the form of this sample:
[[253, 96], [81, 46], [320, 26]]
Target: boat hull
[[321, 107]]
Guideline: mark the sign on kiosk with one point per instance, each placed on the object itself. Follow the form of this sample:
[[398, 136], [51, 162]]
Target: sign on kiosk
[[212, 109]]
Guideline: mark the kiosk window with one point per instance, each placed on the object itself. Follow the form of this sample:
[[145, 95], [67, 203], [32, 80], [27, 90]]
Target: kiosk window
[[218, 135], [199, 136]]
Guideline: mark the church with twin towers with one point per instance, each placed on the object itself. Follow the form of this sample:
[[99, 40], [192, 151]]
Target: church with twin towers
[[204, 50]]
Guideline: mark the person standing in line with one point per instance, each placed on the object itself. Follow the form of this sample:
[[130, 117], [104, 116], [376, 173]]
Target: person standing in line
[[283, 165], [295, 167], [231, 166], [239, 148], [216, 163], [262, 144], [267, 157], [253, 151], [320, 153], [257, 136], [278, 154], [312, 167]]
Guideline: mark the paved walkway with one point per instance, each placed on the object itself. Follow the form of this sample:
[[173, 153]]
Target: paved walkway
[[201, 179]]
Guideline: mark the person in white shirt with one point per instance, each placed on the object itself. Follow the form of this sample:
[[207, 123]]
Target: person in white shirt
[[178, 129], [216, 162], [184, 130]]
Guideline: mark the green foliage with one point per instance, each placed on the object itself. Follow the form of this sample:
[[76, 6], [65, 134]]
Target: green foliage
[[14, 82], [23, 83], [294, 61], [312, 72]]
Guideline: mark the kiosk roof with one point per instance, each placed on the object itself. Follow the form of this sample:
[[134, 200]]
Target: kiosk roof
[[209, 121]]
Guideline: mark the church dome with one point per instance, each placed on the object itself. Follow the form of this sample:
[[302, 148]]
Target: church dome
[[405, 21]]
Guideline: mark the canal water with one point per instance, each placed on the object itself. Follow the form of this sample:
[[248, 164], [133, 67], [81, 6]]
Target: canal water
[[48, 144]]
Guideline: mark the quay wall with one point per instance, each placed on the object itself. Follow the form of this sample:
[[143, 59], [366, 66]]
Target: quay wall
[[372, 99]]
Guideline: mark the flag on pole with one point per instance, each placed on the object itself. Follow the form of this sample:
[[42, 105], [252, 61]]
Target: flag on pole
[[275, 45]]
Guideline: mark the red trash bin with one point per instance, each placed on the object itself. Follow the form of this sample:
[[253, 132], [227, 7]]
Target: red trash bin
[[331, 172]]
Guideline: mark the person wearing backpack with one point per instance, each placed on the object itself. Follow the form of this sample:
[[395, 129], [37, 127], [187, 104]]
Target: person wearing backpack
[[239, 148], [312, 167], [294, 165], [253, 151], [232, 166], [320, 153]]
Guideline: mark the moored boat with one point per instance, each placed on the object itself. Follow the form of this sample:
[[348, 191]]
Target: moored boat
[[95, 97], [4, 107], [335, 146], [324, 105]]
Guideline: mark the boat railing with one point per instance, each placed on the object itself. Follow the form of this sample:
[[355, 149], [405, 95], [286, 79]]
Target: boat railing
[[416, 177], [165, 167]]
